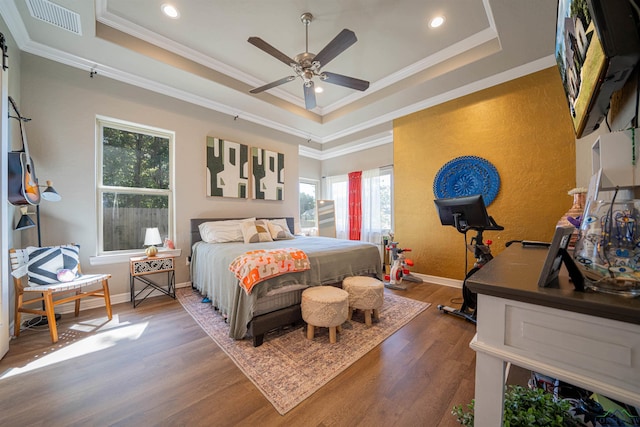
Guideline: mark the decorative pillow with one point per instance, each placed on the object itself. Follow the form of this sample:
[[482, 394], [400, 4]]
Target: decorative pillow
[[222, 231], [256, 231], [65, 275], [45, 263], [279, 229]]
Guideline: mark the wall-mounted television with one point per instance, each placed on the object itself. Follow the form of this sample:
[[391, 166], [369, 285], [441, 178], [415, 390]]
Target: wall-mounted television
[[597, 49]]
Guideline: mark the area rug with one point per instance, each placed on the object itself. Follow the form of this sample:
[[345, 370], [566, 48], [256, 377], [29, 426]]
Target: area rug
[[288, 368]]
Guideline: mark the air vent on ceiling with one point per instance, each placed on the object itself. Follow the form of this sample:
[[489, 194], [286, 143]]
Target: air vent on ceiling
[[55, 14]]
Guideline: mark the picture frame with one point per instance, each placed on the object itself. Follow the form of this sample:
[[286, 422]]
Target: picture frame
[[267, 176], [556, 257], [227, 168]]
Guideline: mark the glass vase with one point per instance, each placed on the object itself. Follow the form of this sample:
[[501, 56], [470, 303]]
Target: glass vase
[[608, 247]]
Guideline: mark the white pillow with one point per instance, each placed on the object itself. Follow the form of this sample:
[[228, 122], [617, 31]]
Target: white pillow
[[256, 231], [279, 229], [222, 231]]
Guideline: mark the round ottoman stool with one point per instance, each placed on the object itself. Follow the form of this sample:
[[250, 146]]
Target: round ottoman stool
[[365, 293], [326, 307]]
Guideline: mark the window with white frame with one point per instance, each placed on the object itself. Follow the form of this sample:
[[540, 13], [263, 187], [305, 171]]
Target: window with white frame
[[134, 184], [376, 203], [386, 198], [308, 196]]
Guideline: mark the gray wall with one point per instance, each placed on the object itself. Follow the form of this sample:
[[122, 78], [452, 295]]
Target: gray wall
[[362, 160], [310, 168], [63, 103]]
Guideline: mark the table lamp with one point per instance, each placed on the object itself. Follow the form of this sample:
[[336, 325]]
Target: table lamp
[[151, 239]]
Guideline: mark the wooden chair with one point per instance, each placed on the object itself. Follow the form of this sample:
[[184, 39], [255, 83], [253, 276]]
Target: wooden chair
[[46, 293]]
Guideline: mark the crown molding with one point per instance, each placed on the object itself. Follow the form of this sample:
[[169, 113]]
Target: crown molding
[[12, 18], [494, 80], [450, 52], [363, 144]]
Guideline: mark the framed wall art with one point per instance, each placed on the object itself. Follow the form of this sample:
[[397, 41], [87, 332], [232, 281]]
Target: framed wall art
[[267, 174], [227, 168]]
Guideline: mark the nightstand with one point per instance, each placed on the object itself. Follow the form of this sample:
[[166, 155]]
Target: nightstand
[[144, 266]]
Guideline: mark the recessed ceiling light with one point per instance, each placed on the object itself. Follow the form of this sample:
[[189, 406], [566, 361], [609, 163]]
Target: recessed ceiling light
[[318, 89], [170, 11], [436, 22]]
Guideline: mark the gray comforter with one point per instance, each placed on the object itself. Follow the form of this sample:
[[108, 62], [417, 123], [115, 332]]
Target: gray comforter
[[331, 261]]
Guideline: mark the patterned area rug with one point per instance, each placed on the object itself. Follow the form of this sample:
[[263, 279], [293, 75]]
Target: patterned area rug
[[288, 368]]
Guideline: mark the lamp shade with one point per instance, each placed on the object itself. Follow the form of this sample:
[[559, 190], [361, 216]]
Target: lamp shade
[[25, 222], [50, 194], [152, 237]]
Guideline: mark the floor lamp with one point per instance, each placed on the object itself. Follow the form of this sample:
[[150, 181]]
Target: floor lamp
[[51, 195]]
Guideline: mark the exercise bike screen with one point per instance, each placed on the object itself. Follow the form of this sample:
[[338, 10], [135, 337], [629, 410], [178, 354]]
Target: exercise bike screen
[[470, 210]]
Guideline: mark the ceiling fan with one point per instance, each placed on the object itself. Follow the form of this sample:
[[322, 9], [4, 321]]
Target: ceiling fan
[[306, 65]]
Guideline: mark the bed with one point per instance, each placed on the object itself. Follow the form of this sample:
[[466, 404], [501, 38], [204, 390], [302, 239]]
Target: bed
[[274, 302]]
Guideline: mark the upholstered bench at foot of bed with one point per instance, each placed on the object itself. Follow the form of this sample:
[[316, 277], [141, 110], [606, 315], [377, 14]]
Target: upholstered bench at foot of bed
[[326, 307], [365, 293], [264, 323]]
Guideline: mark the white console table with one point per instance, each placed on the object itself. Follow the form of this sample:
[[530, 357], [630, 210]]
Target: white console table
[[587, 339]]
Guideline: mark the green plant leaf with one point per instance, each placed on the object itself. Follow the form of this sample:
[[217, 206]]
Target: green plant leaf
[[525, 407]]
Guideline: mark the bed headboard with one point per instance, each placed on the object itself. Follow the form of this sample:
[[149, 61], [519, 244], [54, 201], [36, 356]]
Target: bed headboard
[[195, 222]]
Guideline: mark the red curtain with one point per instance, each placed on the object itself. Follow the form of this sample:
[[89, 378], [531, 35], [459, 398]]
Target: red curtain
[[355, 205]]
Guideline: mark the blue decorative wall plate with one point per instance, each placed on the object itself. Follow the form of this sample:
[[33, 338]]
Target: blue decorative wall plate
[[466, 176]]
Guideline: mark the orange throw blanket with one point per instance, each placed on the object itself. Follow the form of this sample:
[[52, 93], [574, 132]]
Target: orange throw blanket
[[256, 266]]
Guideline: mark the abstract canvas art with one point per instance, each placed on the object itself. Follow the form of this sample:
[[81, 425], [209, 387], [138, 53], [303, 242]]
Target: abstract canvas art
[[268, 174], [227, 168]]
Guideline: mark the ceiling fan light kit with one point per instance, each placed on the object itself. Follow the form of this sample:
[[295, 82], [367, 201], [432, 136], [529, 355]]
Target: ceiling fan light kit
[[307, 65]]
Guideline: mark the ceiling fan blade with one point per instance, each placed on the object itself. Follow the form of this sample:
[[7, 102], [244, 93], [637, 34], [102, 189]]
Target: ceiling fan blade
[[309, 96], [340, 80], [261, 44], [335, 47], [273, 84]]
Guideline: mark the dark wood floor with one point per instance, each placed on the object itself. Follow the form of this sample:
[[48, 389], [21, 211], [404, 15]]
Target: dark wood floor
[[155, 366]]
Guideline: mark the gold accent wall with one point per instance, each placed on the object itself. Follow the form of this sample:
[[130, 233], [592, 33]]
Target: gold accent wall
[[523, 127]]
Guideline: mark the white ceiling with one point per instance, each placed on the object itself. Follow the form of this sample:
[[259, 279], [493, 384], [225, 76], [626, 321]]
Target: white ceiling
[[204, 57]]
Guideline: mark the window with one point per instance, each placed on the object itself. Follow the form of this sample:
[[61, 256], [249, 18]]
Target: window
[[135, 174], [308, 196], [377, 203], [386, 199]]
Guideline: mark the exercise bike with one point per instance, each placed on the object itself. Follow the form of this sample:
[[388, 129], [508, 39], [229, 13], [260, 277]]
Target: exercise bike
[[452, 212], [400, 268]]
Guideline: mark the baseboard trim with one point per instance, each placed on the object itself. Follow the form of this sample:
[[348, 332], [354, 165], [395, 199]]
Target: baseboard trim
[[90, 303]]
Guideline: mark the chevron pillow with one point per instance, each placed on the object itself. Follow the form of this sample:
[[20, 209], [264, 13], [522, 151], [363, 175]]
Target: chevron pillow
[[45, 263]]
